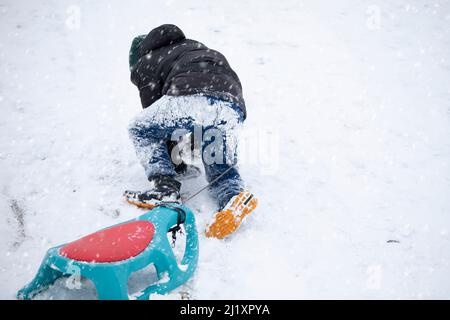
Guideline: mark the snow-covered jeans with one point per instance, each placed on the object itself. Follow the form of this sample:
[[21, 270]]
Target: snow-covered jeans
[[153, 127]]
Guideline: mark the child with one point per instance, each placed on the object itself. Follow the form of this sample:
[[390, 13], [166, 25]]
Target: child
[[184, 85]]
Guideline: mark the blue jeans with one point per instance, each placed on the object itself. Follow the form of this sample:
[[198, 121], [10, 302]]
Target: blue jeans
[[151, 131]]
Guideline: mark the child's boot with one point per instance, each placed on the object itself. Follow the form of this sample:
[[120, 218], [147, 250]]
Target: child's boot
[[229, 219], [165, 189]]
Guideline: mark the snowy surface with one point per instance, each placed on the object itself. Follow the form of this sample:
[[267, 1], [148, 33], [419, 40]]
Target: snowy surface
[[349, 123]]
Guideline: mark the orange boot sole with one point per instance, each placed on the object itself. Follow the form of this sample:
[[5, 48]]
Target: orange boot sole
[[140, 204], [228, 220]]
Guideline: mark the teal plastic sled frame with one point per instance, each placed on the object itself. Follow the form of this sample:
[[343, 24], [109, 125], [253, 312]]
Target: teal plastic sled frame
[[111, 278]]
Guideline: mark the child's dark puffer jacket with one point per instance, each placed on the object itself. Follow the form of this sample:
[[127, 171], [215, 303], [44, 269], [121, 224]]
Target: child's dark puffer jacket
[[166, 63]]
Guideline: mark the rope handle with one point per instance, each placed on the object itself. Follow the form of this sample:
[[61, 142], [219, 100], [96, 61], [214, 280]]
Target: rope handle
[[181, 219]]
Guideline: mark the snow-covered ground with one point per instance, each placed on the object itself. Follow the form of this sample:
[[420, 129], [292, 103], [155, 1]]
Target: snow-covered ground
[[349, 128]]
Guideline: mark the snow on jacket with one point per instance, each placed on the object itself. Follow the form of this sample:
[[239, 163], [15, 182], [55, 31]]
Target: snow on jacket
[[166, 63]]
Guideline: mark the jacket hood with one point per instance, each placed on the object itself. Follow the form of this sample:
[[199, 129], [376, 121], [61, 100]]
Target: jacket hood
[[134, 50], [161, 36]]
